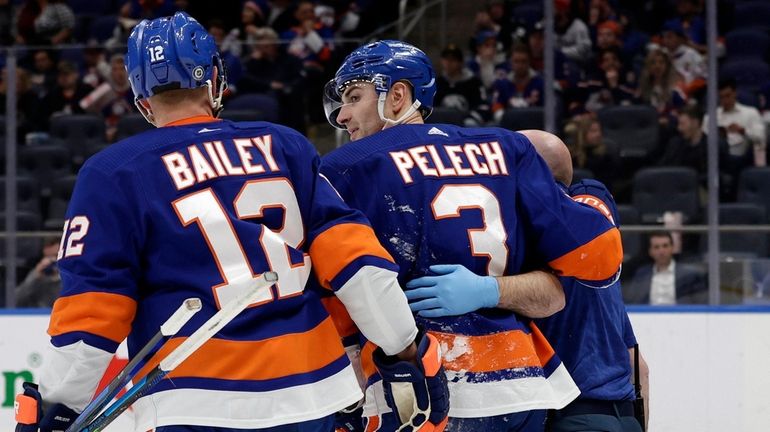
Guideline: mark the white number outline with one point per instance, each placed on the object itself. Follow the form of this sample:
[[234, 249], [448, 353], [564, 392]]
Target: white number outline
[[452, 199], [190, 207], [68, 246]]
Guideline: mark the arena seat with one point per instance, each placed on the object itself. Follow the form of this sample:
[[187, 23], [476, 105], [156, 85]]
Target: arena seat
[[657, 190]]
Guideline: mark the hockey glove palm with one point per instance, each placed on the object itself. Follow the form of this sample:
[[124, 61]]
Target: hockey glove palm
[[417, 394], [29, 413], [454, 290]]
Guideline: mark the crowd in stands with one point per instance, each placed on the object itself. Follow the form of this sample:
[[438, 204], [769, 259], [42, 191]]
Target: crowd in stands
[[620, 65]]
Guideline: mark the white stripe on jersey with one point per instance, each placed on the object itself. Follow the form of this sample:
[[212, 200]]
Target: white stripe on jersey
[[247, 410]]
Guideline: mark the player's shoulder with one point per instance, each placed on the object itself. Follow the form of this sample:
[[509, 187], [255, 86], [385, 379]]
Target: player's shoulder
[[596, 194], [405, 136]]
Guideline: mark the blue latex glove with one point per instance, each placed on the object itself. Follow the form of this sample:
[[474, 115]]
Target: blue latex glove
[[454, 290]]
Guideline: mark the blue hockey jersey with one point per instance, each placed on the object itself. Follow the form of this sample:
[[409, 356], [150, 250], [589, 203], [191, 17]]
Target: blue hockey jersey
[[198, 210], [483, 198], [592, 334]]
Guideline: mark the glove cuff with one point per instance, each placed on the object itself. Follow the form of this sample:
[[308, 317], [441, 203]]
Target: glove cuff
[[491, 291]]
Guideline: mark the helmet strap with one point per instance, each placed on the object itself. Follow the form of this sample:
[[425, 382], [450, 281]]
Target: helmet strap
[[389, 122], [215, 100], [146, 111]]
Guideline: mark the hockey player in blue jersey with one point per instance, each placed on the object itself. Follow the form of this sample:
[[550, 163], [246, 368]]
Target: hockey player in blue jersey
[[476, 201], [199, 207]]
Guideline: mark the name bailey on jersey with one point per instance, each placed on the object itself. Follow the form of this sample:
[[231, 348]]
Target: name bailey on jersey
[[197, 165], [463, 160]]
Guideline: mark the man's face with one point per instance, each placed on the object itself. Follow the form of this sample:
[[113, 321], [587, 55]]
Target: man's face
[[520, 63], [671, 41], [687, 126], [727, 98], [359, 111], [605, 38], [451, 65], [661, 250]]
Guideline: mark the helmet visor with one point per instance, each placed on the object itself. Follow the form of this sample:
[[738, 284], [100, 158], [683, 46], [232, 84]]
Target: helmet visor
[[335, 97], [332, 103]]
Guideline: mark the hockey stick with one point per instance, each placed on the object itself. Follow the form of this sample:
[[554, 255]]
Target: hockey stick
[[184, 350], [176, 321]]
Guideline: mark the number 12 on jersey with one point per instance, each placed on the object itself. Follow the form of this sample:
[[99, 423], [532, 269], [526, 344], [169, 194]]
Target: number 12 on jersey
[[204, 208]]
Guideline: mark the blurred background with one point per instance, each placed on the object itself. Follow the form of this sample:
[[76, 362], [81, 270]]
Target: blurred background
[[627, 84]]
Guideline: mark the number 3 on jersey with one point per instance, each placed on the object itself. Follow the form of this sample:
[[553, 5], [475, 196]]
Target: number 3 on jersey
[[488, 241], [204, 208]]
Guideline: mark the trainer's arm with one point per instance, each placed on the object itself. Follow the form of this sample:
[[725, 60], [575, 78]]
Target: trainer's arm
[[452, 289], [537, 294]]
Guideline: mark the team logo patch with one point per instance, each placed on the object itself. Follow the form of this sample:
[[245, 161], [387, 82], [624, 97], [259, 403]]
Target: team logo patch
[[197, 72]]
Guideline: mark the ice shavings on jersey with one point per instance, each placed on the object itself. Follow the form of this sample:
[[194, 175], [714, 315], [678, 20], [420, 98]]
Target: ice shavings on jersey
[[405, 249], [400, 208]]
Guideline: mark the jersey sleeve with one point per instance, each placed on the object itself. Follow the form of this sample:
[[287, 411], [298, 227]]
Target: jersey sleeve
[[348, 259], [628, 331], [573, 238], [98, 261]]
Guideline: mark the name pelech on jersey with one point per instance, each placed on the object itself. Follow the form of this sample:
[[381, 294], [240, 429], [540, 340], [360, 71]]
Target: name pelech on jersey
[[199, 210], [483, 198]]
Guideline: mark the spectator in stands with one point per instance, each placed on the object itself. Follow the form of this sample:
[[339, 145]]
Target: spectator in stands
[[488, 58], [688, 62], [690, 19], [496, 18], [113, 98], [661, 86], [591, 151], [69, 91], [43, 76], [565, 71], [310, 41], [306, 38], [95, 69], [29, 115], [523, 87], [55, 23], [599, 12], [741, 124], [609, 84], [272, 71], [458, 88], [572, 35], [42, 284], [240, 40], [688, 148], [45, 22], [666, 281]]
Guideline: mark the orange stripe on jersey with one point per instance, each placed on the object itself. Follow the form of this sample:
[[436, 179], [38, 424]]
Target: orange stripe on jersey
[[373, 424], [542, 347], [111, 319], [598, 259], [339, 245], [595, 203], [342, 321], [277, 357], [367, 364], [487, 353], [193, 120]]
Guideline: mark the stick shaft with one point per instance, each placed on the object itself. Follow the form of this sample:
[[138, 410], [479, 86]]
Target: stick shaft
[[176, 321], [184, 350]]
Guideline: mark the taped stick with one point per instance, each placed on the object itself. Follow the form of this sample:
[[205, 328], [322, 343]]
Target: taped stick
[[173, 324], [184, 350]]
